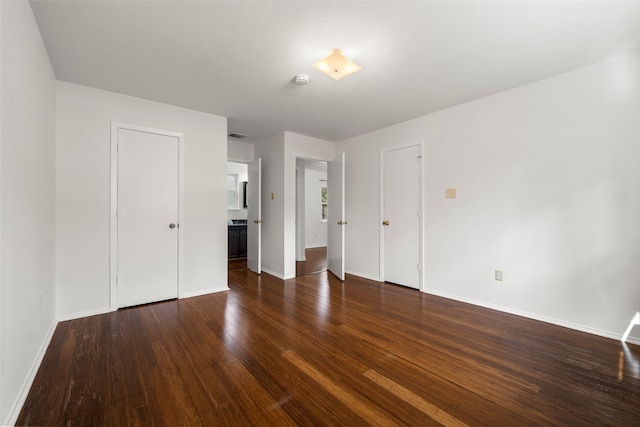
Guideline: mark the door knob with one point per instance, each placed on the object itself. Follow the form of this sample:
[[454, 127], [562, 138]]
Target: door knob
[[172, 225], [385, 222]]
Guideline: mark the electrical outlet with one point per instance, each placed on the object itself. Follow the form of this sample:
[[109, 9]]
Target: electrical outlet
[[499, 275]]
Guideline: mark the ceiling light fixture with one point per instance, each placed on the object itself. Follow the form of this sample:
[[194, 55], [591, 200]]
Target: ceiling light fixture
[[336, 65]]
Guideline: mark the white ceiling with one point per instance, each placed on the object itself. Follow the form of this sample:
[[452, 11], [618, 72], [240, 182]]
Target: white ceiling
[[237, 59]]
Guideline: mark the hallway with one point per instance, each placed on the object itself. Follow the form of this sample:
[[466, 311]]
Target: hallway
[[316, 262]]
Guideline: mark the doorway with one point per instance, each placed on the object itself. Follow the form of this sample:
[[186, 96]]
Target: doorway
[[146, 211], [237, 178], [244, 215], [311, 216]]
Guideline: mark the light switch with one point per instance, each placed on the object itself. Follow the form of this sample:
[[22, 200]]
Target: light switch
[[450, 193]]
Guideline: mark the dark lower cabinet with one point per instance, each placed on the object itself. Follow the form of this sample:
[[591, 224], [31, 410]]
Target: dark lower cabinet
[[237, 241]]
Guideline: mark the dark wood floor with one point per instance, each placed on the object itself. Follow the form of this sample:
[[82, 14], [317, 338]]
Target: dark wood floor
[[316, 261], [237, 263], [315, 351]]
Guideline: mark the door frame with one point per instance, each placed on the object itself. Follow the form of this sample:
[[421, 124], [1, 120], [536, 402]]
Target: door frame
[[258, 220], [290, 257], [420, 145], [113, 241]]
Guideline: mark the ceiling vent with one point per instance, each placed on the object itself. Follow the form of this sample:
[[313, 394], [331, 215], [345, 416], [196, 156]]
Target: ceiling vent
[[237, 136]]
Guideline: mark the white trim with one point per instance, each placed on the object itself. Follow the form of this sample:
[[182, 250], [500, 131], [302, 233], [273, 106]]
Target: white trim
[[81, 314], [15, 409], [421, 227], [273, 273], [181, 223], [113, 241], [205, 292], [316, 246], [533, 316], [364, 276], [632, 340], [237, 160]]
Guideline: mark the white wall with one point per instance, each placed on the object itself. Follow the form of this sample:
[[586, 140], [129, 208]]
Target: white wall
[[240, 169], [315, 228], [272, 153], [83, 185], [548, 191], [297, 146], [27, 236], [279, 155], [238, 151]]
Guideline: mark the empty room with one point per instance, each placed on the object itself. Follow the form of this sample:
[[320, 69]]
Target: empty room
[[319, 213]]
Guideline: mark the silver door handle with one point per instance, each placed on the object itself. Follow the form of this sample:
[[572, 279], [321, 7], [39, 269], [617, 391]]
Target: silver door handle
[[172, 225]]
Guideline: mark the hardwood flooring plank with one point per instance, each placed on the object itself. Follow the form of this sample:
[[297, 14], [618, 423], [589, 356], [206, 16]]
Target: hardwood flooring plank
[[414, 400], [368, 413], [316, 261], [317, 351], [255, 400]]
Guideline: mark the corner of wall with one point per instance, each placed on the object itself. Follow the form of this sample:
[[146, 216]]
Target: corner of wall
[[27, 204], [16, 407]]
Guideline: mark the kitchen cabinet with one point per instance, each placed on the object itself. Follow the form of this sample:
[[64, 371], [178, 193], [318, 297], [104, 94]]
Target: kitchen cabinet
[[237, 241]]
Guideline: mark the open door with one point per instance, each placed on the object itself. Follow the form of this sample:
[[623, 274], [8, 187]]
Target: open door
[[336, 217], [254, 215]]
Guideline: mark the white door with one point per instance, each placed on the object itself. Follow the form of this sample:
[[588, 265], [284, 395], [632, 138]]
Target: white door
[[147, 217], [336, 216], [254, 217], [300, 214], [401, 216]]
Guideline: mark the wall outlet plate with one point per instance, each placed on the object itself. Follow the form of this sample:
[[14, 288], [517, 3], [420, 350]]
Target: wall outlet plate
[[498, 275]]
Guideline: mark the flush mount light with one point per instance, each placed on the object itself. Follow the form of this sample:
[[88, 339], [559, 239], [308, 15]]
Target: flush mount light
[[336, 65]]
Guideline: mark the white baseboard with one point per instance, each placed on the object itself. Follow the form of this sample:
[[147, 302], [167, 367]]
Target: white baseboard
[[632, 340], [528, 315], [365, 276], [204, 292], [273, 273], [81, 314], [14, 412], [319, 245]]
